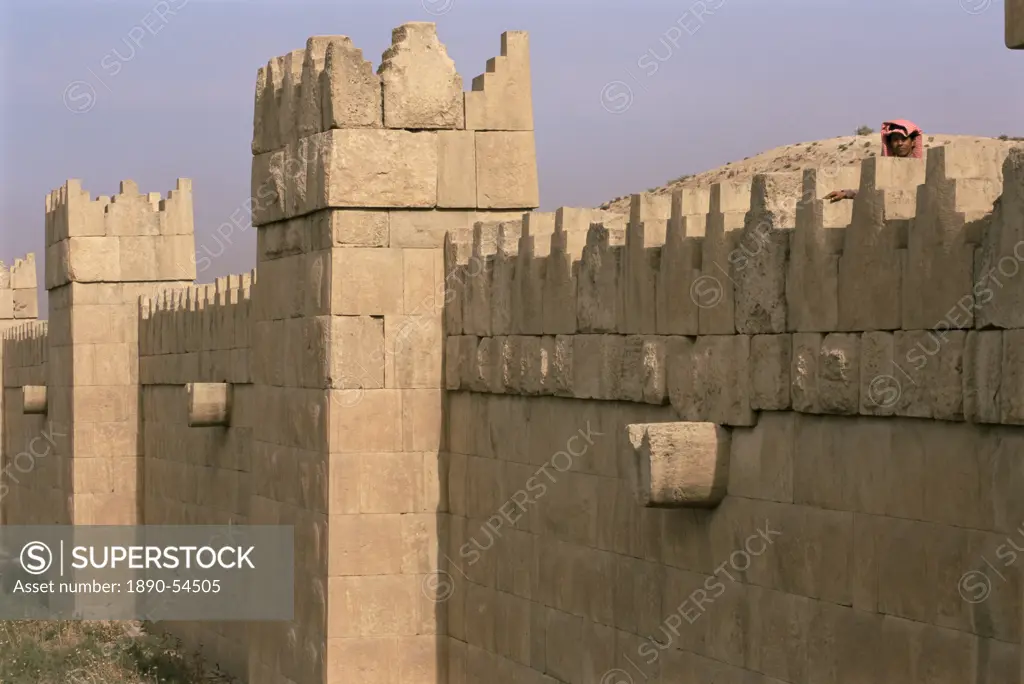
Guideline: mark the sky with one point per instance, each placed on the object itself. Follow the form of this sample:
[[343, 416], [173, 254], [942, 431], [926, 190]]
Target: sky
[[626, 95]]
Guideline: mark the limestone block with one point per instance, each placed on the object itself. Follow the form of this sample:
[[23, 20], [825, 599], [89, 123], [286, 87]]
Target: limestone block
[[562, 367], [457, 253], [413, 347], [354, 228], [88, 260], [998, 289], [477, 306], [642, 378], [1011, 386], [514, 364], [350, 91], [452, 351], [871, 264], [502, 271], [528, 280], [596, 365], [421, 87], [466, 361], [881, 382], [367, 282], [1015, 30], [641, 257], [677, 309], [501, 98], [33, 399], [805, 391], [679, 465], [759, 269], [356, 345], [983, 375], [209, 404], [598, 295], [709, 378], [419, 282], [939, 262], [456, 169], [24, 303], [770, 361], [559, 277], [715, 297], [931, 363], [506, 170], [375, 168], [6, 304], [22, 275], [839, 374], [812, 281], [483, 362]]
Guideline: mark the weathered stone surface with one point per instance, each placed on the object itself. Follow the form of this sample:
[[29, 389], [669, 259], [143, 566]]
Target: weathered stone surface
[[421, 86], [506, 170], [501, 98], [679, 465]]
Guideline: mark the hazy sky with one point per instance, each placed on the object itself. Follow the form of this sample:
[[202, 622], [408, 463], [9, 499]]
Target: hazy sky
[[746, 76]]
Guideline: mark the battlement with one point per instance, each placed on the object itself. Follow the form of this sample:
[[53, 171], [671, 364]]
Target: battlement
[[330, 133], [197, 333], [19, 299], [25, 346], [763, 287], [127, 237]]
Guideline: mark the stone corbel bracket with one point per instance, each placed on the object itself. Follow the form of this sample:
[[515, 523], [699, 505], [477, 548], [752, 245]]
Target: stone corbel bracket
[[209, 403], [679, 465], [33, 399]]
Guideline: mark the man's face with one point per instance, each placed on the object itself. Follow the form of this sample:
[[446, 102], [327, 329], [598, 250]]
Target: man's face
[[901, 145]]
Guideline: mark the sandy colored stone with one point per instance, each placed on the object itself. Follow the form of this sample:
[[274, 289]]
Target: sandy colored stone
[[770, 360], [456, 168], [376, 168], [349, 90], [679, 465], [506, 170], [501, 98], [421, 86]]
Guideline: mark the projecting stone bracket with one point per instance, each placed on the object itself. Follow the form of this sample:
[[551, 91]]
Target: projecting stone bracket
[[209, 403], [33, 399], [679, 465]]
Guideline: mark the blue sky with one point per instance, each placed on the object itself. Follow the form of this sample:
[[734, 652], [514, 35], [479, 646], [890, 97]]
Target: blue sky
[[750, 76]]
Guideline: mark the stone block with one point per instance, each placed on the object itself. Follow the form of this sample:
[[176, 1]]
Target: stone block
[[352, 227], [983, 375], [24, 303], [413, 348], [839, 374], [770, 360], [1011, 386], [881, 380], [596, 366], [642, 378], [421, 87], [357, 356], [506, 170], [456, 169], [501, 98], [367, 282], [374, 168], [679, 465], [349, 90]]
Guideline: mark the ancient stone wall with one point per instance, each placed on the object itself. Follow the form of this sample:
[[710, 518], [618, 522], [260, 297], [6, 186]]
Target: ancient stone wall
[[601, 522], [739, 434]]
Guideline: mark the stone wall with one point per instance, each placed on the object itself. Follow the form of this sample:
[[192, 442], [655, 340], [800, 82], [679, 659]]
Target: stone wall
[[738, 435], [594, 538]]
